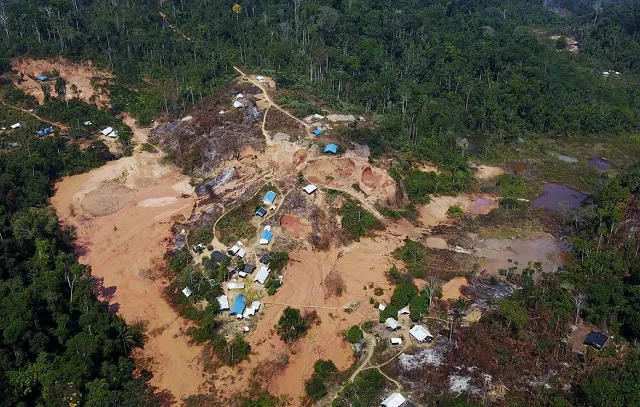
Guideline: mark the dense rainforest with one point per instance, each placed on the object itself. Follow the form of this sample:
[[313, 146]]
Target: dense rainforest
[[427, 73]]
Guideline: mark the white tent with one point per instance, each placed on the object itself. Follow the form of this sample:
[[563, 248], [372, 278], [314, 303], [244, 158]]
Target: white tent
[[392, 324], [404, 311], [237, 105], [239, 96], [187, 292], [235, 286], [309, 189], [113, 134], [262, 275], [395, 341], [256, 305], [241, 253], [16, 126], [381, 307], [242, 274], [248, 312], [234, 249], [260, 78], [106, 131], [421, 333], [394, 400], [87, 123], [223, 300]]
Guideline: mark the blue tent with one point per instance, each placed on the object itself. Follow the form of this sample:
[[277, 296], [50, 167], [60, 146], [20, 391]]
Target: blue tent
[[42, 78], [265, 237], [269, 197], [46, 131], [317, 132], [239, 304], [331, 148]]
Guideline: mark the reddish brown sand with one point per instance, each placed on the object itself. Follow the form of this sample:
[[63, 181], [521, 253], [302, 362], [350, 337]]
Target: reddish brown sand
[[358, 265], [451, 289], [296, 226], [120, 238]]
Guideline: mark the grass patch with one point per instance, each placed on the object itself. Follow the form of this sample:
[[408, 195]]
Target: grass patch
[[356, 222], [236, 224], [297, 103]]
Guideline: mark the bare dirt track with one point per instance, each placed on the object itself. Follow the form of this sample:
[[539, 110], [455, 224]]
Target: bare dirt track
[[122, 213]]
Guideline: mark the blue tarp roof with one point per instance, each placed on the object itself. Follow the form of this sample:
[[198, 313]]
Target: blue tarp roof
[[42, 78], [317, 132], [46, 131], [331, 148], [269, 197], [239, 304], [266, 235]]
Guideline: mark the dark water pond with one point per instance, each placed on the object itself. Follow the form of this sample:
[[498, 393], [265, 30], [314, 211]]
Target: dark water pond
[[559, 197], [599, 162]]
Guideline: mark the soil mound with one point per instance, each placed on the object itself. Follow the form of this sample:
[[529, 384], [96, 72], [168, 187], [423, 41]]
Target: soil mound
[[107, 199]]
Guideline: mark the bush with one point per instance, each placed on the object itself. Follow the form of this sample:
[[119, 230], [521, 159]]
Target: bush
[[291, 325], [179, 261], [230, 353], [391, 311], [278, 261], [204, 236], [315, 387], [272, 285], [414, 256], [378, 291], [403, 293], [354, 334], [454, 212], [325, 368], [356, 222]]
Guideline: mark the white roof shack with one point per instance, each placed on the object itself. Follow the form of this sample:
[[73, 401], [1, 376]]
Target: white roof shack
[[234, 249], [381, 307], [256, 305], [421, 333], [260, 78], [239, 96], [237, 105], [262, 275], [113, 134], [87, 123], [235, 286], [241, 253], [187, 292], [392, 324], [404, 311], [310, 189], [106, 131], [395, 341], [223, 300], [248, 312], [15, 126], [394, 400], [242, 274]]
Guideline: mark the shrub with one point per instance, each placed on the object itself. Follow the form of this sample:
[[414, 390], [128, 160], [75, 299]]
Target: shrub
[[230, 353], [414, 256], [454, 212], [356, 222], [378, 291], [291, 325], [179, 261], [391, 311], [325, 368], [278, 261], [315, 387]]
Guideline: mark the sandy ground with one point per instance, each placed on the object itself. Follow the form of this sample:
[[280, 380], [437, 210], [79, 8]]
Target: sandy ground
[[358, 266], [487, 173], [76, 74], [296, 226], [122, 213], [506, 253], [451, 289], [435, 212]]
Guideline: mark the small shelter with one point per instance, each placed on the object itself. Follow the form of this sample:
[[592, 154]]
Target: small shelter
[[382, 307], [42, 78], [310, 189], [261, 212], [223, 301], [395, 341], [242, 274], [392, 324], [256, 305], [239, 96], [187, 292], [238, 105], [404, 311], [239, 304], [394, 400], [264, 259], [317, 132], [87, 123], [113, 134], [107, 131], [15, 126], [262, 275], [269, 198], [265, 237], [596, 339], [331, 148], [248, 312], [241, 253], [249, 268], [234, 249], [260, 78], [421, 334], [235, 286]]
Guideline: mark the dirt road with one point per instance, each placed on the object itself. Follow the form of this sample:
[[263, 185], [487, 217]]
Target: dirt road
[[59, 125]]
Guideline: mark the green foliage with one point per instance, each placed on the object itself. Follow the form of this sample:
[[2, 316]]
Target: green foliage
[[378, 291], [421, 184], [364, 391], [454, 212], [391, 311], [418, 306], [262, 399], [299, 105], [291, 325], [612, 386], [278, 261], [512, 188], [204, 236], [356, 222], [179, 261], [324, 371], [325, 368], [514, 315], [315, 387], [354, 334], [403, 293], [414, 256], [272, 284], [561, 43], [230, 352]]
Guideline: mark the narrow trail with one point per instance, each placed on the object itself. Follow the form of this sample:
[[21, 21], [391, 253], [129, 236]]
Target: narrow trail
[[60, 125], [267, 97], [173, 27]]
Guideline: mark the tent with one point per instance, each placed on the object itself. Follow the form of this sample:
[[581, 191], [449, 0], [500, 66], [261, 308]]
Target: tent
[[239, 96], [394, 400], [46, 131], [15, 126], [317, 132], [260, 78], [269, 197], [223, 301], [264, 259], [404, 311], [106, 131], [87, 123], [42, 78], [382, 307], [261, 212], [331, 148], [187, 292], [241, 253], [235, 286], [309, 189], [596, 339], [265, 237], [234, 249], [262, 275], [219, 256], [392, 324], [256, 305], [421, 333], [238, 105], [239, 304], [113, 134], [395, 341]]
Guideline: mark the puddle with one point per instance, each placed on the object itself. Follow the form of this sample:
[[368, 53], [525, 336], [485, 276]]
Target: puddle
[[559, 197], [482, 205], [599, 162], [506, 253]]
